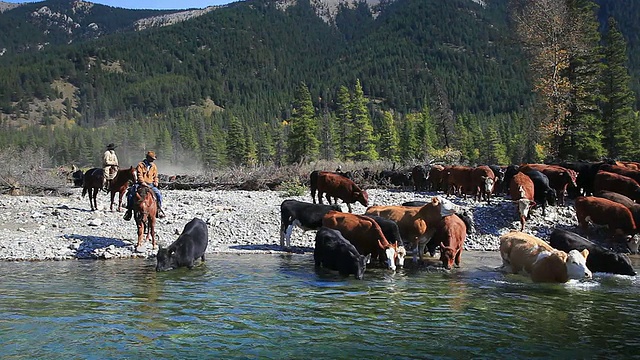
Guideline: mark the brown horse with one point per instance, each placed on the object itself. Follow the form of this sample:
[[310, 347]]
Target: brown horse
[[144, 211], [120, 183], [91, 184]]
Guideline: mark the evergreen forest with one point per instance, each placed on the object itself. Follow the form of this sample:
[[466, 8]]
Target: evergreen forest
[[255, 82]]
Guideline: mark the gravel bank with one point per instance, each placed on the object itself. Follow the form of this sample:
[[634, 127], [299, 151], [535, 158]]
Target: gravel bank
[[59, 228]]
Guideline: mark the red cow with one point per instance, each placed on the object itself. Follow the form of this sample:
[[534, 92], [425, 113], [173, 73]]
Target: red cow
[[521, 190], [365, 234], [482, 181], [436, 176], [622, 170], [605, 212], [459, 180], [340, 187], [451, 234], [608, 181]]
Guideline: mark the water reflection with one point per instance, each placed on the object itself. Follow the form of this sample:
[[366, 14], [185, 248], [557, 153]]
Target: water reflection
[[277, 306]]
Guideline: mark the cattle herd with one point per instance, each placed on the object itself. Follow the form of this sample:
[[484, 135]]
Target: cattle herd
[[605, 193]]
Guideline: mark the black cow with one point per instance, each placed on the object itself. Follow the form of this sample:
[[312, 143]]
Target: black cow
[[599, 259], [395, 178], [334, 252], [78, 178], [304, 215], [188, 247], [543, 193], [419, 177], [499, 173]]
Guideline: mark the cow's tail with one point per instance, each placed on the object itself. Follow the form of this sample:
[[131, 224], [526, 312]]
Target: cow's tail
[[84, 191], [313, 184]]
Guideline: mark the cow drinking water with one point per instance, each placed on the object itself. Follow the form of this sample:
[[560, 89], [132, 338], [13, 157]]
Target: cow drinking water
[[189, 246]]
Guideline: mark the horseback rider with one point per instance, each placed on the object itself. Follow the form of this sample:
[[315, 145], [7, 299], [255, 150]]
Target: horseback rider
[[110, 165], [147, 174]]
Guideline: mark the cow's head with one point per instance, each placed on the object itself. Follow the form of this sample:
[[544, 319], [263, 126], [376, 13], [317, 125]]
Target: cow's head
[[447, 256], [361, 265], [402, 253], [524, 205], [488, 184], [577, 264], [390, 254], [616, 263], [166, 259], [362, 197]]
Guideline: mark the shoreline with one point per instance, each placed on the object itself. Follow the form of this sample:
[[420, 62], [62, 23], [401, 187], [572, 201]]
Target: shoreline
[[35, 228]]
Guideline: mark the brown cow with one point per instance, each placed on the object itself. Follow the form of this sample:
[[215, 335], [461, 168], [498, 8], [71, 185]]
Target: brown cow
[[559, 177], [521, 190], [524, 253], [459, 180], [339, 186], [436, 177], [608, 181], [605, 212], [451, 235], [365, 234], [622, 170], [416, 224], [482, 182]]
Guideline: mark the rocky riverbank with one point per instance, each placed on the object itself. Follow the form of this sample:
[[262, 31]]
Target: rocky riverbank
[[63, 227]]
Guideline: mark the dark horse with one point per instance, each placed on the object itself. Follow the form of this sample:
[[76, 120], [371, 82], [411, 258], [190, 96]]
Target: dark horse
[[144, 211], [92, 183], [120, 183]]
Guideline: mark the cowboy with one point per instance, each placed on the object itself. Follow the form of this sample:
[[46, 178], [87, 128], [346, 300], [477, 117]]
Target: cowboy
[[110, 165], [147, 174]]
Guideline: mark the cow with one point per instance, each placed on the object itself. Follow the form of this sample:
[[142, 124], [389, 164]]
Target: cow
[[599, 260], [340, 188], [392, 233], [621, 184], [304, 215], [622, 170], [395, 178], [623, 200], [560, 178], [617, 217], [450, 235], [313, 181], [482, 182], [416, 224], [521, 190], [333, 251], [419, 177], [509, 173], [459, 180], [521, 252], [436, 177], [365, 234], [499, 172], [543, 194], [187, 248]]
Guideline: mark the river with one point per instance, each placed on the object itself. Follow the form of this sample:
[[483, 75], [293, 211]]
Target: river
[[279, 307]]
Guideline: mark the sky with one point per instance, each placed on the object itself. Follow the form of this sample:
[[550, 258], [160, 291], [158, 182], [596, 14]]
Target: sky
[[151, 4]]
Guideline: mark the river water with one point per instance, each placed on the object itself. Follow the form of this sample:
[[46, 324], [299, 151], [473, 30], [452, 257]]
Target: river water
[[279, 307]]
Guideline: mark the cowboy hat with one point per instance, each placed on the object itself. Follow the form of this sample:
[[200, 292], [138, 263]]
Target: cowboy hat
[[151, 154], [111, 146]]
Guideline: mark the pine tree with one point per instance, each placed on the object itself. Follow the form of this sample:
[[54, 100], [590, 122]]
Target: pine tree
[[408, 139], [266, 146], [343, 122], [389, 140], [582, 135], [327, 135], [235, 142], [213, 152], [362, 140], [250, 157], [618, 102], [303, 139], [426, 133], [496, 150]]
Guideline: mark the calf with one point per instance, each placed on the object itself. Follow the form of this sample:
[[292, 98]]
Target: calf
[[450, 235], [482, 182], [543, 194], [365, 234], [304, 215], [188, 247], [340, 187], [621, 184], [392, 233], [599, 260], [522, 252], [605, 212], [313, 182], [521, 190], [334, 252]]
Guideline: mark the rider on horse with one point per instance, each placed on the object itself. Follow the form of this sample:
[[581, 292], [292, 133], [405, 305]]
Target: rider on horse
[[110, 165], [147, 174]]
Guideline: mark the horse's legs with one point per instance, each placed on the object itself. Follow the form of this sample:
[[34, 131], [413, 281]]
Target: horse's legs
[[140, 224], [113, 195], [120, 200], [152, 231]]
